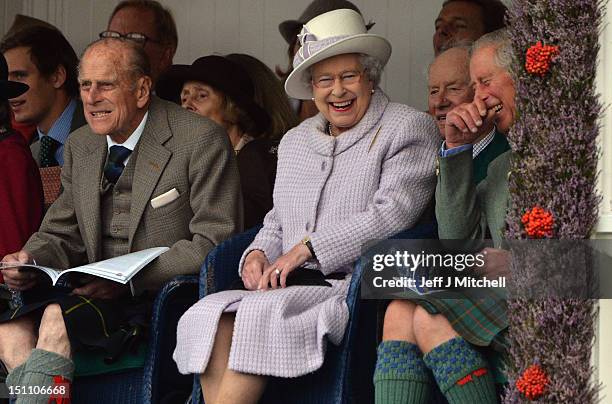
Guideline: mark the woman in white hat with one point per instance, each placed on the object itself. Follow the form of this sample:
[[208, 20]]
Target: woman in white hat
[[290, 29], [361, 169]]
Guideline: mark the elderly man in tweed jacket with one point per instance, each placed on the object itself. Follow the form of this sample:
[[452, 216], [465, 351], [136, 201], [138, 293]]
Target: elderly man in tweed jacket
[[136, 148]]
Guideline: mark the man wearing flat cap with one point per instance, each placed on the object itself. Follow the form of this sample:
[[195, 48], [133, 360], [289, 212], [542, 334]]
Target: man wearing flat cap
[[143, 173]]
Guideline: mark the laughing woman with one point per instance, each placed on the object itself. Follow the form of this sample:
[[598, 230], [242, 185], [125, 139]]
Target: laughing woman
[[362, 168]]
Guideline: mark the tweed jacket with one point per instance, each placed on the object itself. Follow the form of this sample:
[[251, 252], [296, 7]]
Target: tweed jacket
[[177, 149], [78, 120], [466, 211], [370, 182]]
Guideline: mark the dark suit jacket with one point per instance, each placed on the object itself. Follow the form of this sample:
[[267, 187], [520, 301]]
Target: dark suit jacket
[[178, 149], [78, 120], [257, 168]]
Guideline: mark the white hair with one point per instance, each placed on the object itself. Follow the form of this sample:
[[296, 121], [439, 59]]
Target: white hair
[[466, 67], [500, 39]]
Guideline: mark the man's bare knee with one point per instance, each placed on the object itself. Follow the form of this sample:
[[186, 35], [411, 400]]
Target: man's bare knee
[[52, 334], [431, 330], [398, 321], [17, 339]]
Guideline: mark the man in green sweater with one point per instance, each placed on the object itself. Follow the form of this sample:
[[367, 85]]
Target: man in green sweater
[[467, 206], [456, 343]]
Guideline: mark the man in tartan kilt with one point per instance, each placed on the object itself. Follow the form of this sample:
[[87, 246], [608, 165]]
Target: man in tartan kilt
[[444, 342], [135, 150]]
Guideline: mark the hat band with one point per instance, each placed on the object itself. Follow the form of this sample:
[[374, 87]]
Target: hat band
[[311, 45]]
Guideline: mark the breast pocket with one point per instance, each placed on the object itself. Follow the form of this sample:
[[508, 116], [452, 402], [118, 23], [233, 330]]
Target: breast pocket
[[169, 206]]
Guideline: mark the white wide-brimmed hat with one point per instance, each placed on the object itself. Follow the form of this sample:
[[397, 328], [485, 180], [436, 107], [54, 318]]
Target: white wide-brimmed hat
[[334, 33]]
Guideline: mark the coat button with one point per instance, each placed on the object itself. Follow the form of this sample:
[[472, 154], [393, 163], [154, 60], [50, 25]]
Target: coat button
[[323, 165], [307, 226]]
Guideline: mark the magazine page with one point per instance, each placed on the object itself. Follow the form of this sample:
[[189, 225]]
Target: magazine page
[[52, 273], [120, 269]]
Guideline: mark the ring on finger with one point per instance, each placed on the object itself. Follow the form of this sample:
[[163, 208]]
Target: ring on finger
[[277, 271]]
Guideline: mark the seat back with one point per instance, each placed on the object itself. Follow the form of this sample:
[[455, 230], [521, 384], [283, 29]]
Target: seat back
[[346, 374], [161, 378]]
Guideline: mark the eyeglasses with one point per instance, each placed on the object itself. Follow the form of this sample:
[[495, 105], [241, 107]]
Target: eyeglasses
[[136, 37], [347, 77]]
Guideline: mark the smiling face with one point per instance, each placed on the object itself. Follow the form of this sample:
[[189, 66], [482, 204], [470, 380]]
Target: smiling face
[[343, 104], [203, 100], [448, 84], [114, 102], [33, 106], [494, 85], [458, 20]]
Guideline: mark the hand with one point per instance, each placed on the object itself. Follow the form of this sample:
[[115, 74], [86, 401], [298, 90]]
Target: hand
[[254, 265], [99, 288], [497, 263], [19, 279], [467, 122], [295, 257]]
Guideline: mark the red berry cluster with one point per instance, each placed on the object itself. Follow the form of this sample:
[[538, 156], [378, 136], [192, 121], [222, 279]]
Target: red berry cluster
[[539, 57], [538, 223], [533, 382]]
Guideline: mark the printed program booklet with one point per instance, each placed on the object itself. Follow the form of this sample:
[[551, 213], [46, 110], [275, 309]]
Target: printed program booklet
[[118, 269]]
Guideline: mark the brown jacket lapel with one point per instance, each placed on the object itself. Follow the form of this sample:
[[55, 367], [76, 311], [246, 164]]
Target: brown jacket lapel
[[91, 165], [151, 161]]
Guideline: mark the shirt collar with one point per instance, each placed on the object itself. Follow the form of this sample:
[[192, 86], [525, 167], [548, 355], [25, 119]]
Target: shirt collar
[[131, 141], [61, 127], [483, 143]]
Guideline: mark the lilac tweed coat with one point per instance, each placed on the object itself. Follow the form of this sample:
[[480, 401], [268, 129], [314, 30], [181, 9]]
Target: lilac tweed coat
[[372, 181]]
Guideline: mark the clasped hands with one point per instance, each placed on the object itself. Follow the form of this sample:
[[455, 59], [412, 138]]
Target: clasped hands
[[21, 279], [259, 274]]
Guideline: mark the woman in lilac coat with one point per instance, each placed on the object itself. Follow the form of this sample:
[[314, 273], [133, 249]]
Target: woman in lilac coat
[[363, 168]]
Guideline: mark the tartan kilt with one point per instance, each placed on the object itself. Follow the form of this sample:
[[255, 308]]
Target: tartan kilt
[[482, 321], [479, 319], [115, 326]]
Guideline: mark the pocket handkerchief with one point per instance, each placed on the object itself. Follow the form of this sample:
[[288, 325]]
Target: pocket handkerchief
[[164, 198]]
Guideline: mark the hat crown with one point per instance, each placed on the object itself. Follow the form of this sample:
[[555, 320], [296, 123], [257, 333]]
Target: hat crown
[[337, 23], [318, 7], [215, 66]]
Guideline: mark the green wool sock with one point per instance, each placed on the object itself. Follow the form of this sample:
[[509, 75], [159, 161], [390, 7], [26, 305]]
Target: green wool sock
[[14, 377], [401, 376], [462, 373], [39, 372]]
